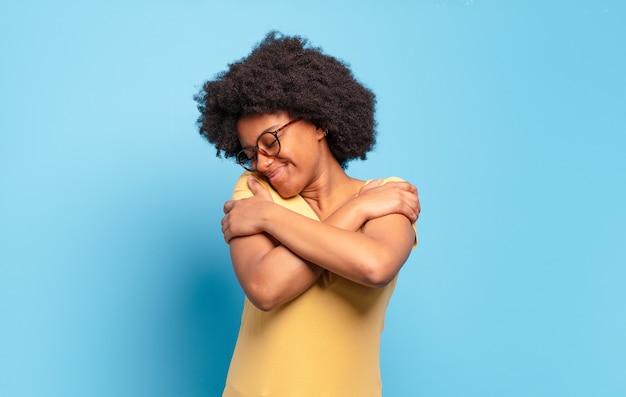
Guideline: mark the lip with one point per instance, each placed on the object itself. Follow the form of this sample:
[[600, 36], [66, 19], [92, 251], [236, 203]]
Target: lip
[[276, 174]]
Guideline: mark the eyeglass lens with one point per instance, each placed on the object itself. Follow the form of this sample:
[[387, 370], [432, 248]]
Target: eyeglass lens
[[267, 144]]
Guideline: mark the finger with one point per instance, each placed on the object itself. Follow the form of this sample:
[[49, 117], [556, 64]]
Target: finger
[[258, 189], [371, 184], [419, 207], [407, 187], [410, 215], [224, 224], [375, 183], [409, 212], [417, 195], [226, 232], [228, 206], [253, 184]]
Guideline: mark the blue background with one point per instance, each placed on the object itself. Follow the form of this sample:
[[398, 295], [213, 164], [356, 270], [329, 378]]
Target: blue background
[[510, 117]]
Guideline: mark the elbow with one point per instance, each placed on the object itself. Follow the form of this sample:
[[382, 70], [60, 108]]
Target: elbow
[[378, 279], [261, 297], [378, 273], [381, 269], [264, 305], [382, 266]]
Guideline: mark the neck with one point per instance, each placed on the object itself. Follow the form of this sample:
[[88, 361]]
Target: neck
[[331, 189]]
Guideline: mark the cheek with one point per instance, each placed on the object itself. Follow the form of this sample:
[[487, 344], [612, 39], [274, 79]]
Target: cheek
[[301, 153]]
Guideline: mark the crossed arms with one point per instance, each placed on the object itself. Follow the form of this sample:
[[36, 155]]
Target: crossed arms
[[278, 254]]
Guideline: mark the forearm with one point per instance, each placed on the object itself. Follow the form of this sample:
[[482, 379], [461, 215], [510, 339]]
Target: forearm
[[369, 259], [271, 274], [347, 217]]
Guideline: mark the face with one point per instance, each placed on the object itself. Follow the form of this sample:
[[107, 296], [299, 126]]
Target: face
[[297, 162]]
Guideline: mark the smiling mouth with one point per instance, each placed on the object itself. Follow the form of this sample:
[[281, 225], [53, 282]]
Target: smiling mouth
[[276, 173]]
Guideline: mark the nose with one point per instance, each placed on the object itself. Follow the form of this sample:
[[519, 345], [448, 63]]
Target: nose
[[263, 162]]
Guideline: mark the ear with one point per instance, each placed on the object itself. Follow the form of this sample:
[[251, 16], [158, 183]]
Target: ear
[[321, 133]]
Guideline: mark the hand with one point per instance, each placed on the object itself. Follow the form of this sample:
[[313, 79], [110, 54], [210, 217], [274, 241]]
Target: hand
[[378, 200], [243, 217]]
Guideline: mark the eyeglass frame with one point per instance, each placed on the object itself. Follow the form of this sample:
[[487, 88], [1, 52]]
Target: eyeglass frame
[[256, 149]]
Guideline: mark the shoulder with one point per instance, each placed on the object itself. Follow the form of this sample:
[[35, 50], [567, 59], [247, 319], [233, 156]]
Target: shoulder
[[295, 203], [387, 180], [393, 179], [241, 189], [398, 179]]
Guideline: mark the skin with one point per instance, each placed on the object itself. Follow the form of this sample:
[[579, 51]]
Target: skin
[[277, 254]]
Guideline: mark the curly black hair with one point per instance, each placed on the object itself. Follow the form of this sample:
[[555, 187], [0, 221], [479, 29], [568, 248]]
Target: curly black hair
[[285, 73]]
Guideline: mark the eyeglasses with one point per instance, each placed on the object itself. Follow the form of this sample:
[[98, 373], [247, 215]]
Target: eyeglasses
[[267, 143]]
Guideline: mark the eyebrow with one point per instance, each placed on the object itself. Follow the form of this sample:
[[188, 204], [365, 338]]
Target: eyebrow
[[268, 129]]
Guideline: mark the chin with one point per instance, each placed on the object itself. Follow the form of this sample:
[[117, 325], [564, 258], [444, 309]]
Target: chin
[[286, 195], [285, 192]]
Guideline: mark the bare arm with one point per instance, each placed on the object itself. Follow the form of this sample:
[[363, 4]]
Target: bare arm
[[371, 258], [271, 273]]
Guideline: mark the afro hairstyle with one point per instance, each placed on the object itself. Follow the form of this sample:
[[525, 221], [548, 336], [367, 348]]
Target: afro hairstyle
[[284, 73]]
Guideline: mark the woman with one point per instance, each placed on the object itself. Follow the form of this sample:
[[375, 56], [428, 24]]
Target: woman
[[316, 252]]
